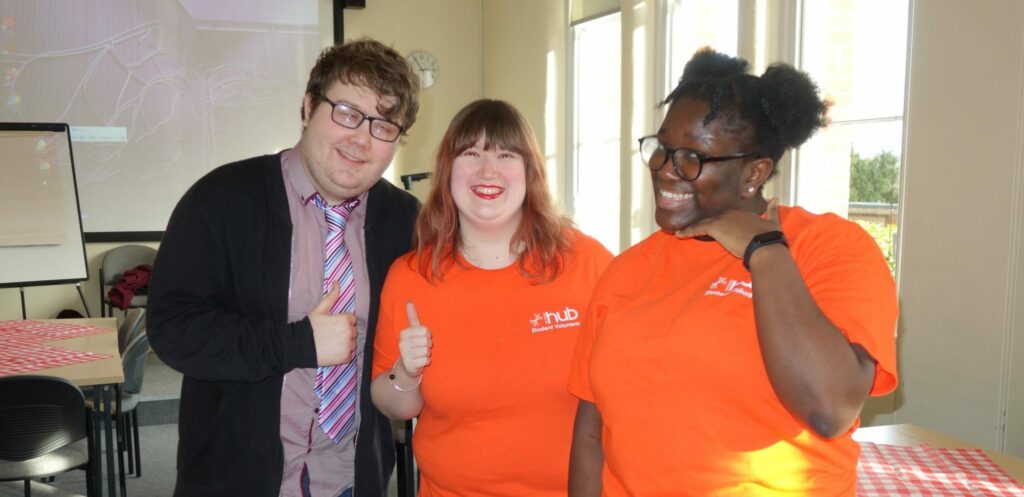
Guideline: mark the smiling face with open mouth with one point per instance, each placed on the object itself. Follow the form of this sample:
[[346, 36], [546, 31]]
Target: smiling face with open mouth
[[343, 162], [489, 186], [719, 187]]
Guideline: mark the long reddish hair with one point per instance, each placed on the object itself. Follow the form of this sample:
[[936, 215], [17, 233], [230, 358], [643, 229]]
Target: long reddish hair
[[543, 236]]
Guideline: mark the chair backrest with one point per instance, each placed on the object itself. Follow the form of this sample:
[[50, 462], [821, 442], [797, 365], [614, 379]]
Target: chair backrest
[[120, 259], [38, 415], [134, 344]]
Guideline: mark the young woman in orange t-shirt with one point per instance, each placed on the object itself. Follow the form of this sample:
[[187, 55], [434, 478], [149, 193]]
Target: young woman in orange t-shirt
[[715, 359], [478, 323]]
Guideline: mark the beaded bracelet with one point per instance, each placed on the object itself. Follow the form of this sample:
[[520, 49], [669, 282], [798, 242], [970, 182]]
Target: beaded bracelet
[[391, 378]]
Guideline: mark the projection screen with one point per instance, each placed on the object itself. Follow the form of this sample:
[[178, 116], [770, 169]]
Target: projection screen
[[157, 92]]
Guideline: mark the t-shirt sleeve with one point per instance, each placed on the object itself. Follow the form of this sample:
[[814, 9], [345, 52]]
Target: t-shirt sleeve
[[390, 320], [850, 281], [579, 379], [579, 371]]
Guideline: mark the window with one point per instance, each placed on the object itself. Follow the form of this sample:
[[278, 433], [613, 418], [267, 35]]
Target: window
[[856, 52], [700, 23], [596, 128], [854, 49]]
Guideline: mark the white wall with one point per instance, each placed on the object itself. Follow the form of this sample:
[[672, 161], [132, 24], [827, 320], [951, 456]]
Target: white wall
[[961, 281]]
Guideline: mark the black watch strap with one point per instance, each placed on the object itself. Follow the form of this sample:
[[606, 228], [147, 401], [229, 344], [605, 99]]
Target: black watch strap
[[766, 238]]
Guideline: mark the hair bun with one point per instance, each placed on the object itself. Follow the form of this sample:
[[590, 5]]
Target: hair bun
[[791, 104], [770, 113], [709, 64]]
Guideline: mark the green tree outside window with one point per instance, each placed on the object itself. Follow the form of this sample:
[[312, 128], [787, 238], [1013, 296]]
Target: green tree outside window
[[877, 180]]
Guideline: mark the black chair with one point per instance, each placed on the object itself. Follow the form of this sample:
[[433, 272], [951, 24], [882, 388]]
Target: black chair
[[44, 430], [115, 262]]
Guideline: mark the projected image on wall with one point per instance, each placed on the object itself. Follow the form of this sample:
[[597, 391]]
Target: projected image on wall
[[157, 93]]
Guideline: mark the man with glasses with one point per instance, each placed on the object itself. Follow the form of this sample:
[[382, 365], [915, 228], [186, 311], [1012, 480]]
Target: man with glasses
[[265, 294]]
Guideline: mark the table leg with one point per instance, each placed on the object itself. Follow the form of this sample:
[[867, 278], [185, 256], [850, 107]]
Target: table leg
[[108, 425], [93, 444], [103, 438]]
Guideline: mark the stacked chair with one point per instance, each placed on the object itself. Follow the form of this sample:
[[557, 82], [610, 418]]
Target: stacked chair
[[134, 351], [134, 345]]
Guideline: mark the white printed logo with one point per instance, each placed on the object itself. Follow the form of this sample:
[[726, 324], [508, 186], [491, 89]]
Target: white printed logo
[[555, 320], [724, 286]]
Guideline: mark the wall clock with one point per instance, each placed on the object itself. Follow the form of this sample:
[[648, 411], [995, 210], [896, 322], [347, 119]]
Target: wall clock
[[426, 67]]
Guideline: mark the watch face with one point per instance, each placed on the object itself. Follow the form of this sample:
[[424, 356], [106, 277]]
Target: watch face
[[426, 67]]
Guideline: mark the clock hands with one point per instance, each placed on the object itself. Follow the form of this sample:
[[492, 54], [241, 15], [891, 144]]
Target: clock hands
[[425, 65]]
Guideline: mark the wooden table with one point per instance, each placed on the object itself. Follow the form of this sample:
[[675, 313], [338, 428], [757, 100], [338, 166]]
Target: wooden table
[[103, 375], [101, 372], [911, 435]]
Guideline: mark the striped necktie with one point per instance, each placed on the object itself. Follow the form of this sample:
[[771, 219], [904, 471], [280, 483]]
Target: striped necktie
[[336, 385]]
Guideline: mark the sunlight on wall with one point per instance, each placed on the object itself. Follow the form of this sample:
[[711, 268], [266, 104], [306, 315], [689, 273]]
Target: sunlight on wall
[[641, 201], [760, 36], [596, 129], [551, 127]]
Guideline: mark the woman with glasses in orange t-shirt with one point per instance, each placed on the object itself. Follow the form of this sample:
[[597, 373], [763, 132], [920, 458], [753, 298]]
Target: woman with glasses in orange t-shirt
[[731, 352]]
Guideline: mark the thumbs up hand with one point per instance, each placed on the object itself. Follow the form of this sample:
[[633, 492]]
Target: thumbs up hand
[[333, 334], [414, 344]]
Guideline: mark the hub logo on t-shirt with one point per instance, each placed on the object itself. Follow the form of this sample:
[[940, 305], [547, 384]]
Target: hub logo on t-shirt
[[724, 286], [554, 320]]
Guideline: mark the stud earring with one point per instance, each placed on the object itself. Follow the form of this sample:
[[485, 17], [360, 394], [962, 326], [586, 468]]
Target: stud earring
[[750, 189]]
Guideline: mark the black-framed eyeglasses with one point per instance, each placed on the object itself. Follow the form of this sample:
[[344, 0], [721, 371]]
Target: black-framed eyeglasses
[[346, 116], [686, 163]]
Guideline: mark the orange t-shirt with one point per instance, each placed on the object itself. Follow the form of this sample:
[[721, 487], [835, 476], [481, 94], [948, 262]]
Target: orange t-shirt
[[670, 356], [497, 419]]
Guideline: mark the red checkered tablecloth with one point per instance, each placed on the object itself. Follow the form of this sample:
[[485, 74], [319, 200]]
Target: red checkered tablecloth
[[23, 348], [924, 471]]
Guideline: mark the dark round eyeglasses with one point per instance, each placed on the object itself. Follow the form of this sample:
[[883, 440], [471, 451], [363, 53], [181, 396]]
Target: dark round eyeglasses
[[346, 116], [686, 163]]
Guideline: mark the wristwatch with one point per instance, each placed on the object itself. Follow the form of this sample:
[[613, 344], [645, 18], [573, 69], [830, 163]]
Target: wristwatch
[[767, 238]]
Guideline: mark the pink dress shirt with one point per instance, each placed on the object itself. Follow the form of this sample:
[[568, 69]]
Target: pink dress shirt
[[330, 466]]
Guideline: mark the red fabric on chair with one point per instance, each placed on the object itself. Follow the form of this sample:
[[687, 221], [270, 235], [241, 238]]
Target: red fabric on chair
[[133, 282]]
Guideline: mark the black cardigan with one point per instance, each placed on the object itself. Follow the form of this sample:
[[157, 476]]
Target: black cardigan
[[218, 307]]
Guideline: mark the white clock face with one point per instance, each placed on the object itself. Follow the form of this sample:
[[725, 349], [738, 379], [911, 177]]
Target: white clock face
[[426, 67]]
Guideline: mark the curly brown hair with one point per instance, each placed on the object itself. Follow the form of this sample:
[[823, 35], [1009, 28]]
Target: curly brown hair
[[369, 63]]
